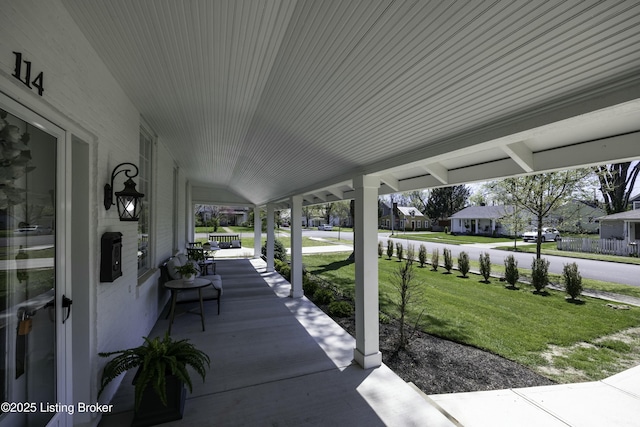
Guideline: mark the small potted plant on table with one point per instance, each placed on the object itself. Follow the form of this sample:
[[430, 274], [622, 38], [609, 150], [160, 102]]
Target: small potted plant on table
[[188, 272], [161, 377]]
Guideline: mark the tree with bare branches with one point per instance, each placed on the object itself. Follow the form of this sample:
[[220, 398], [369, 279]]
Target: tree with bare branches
[[616, 184]]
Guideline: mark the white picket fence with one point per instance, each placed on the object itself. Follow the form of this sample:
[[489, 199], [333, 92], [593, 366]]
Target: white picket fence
[[599, 246]]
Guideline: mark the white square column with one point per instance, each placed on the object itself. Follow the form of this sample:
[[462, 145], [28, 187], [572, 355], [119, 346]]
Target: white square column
[[367, 352], [296, 247], [257, 232], [270, 238]]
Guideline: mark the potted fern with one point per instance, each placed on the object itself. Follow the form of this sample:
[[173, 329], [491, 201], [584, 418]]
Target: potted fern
[[161, 377], [188, 272]]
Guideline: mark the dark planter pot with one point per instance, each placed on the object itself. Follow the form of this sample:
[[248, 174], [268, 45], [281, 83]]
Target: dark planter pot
[[152, 412]]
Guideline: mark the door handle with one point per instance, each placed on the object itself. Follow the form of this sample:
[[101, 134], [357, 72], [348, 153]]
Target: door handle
[[66, 303]]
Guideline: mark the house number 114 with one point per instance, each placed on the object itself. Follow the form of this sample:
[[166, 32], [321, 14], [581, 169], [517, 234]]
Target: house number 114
[[25, 78]]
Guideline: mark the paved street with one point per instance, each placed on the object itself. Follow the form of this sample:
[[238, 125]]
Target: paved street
[[599, 270]]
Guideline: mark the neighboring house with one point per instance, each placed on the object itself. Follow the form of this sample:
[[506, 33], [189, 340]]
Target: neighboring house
[[576, 216], [317, 221], [230, 215], [621, 226], [404, 218], [634, 202], [485, 220]]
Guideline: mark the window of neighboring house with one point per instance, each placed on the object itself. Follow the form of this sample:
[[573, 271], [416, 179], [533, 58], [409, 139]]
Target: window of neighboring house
[[144, 186]]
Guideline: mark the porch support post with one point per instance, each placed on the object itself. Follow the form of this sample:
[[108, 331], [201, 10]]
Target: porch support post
[[270, 237], [257, 231], [367, 352], [296, 247]]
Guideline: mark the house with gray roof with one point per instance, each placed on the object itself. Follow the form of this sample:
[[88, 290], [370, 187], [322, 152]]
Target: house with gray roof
[[486, 220], [404, 218], [621, 226]]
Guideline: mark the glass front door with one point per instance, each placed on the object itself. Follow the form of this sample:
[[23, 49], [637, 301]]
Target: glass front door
[[29, 317]]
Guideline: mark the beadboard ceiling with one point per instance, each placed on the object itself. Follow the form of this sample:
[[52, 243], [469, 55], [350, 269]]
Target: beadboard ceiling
[[261, 100]]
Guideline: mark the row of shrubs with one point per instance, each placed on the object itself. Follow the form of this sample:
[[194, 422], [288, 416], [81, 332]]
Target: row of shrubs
[[572, 279], [320, 291]]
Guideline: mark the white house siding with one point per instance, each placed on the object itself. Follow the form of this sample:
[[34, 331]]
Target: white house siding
[[80, 93], [612, 230]]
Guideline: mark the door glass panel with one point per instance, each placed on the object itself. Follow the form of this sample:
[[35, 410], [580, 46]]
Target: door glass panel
[[27, 271]]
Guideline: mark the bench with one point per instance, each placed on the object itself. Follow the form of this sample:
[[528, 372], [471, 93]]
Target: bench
[[226, 241], [209, 293]]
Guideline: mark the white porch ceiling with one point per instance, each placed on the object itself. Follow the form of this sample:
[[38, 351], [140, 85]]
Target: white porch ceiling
[[260, 100]]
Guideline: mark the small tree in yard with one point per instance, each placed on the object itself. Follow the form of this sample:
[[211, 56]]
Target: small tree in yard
[[511, 273], [422, 255], [572, 280], [463, 263], [380, 249], [435, 259], [448, 260], [408, 295], [389, 249], [539, 274], [485, 266], [411, 252], [399, 251]]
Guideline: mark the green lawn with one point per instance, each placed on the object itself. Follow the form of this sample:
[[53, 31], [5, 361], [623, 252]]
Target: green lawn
[[518, 325]]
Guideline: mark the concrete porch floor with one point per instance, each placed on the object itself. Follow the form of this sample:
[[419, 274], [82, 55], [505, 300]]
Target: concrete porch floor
[[278, 361]]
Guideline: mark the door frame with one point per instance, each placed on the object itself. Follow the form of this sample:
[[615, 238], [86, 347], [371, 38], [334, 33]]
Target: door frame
[[63, 258]]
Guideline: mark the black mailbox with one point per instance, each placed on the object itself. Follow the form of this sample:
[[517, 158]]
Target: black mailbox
[[110, 262]]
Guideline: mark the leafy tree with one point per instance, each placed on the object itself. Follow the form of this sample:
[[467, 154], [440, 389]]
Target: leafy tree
[[417, 199], [327, 209], [340, 210], [389, 248], [541, 194], [444, 202], [616, 184]]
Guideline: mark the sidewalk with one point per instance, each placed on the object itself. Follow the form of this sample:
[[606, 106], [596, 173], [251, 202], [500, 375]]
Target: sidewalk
[[611, 402]]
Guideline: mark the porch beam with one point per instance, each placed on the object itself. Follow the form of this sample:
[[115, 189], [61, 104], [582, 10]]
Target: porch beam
[[270, 237], [391, 181], [296, 247], [336, 192], [367, 352], [521, 154], [438, 171], [320, 196]]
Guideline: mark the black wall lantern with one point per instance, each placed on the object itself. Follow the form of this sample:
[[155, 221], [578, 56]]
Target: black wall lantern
[[127, 200]]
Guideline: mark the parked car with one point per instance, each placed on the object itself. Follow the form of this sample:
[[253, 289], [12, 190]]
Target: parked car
[[548, 234], [33, 229], [325, 227]]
